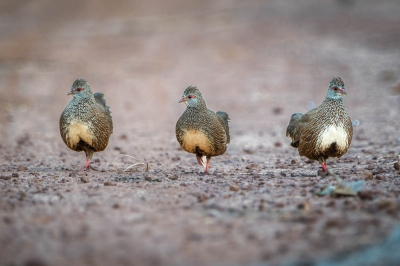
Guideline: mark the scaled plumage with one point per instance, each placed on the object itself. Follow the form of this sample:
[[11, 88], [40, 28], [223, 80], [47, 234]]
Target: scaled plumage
[[86, 123], [325, 131], [200, 130]]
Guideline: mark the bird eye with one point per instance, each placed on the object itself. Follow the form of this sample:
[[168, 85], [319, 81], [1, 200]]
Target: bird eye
[[191, 96], [79, 89], [335, 88]]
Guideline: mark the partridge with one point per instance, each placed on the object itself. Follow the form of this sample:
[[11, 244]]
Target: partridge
[[200, 130], [325, 131], [86, 124]]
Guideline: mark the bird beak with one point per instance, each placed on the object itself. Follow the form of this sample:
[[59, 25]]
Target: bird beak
[[343, 92], [71, 92], [182, 100]]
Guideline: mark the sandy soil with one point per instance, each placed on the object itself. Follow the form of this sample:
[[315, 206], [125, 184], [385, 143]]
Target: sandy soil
[[260, 61]]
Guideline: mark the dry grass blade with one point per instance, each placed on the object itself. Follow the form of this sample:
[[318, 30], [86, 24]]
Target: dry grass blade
[[139, 162]]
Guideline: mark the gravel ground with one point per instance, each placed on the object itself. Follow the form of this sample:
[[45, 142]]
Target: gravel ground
[[260, 61]]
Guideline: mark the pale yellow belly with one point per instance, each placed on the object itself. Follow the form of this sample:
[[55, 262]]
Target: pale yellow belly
[[78, 131], [195, 138]]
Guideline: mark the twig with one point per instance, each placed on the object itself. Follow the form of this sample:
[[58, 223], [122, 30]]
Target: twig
[[140, 162]]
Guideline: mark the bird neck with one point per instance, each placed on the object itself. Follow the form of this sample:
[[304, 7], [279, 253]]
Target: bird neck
[[334, 101], [84, 98], [201, 105]]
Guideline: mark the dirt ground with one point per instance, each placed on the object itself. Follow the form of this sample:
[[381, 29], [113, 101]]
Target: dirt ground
[[260, 61]]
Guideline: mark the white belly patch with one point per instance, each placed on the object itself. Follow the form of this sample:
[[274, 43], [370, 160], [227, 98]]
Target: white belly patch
[[333, 134], [193, 139], [78, 131]]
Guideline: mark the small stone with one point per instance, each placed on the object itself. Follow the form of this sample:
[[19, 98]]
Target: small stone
[[252, 166], [277, 144], [283, 174], [293, 162], [396, 166], [367, 175], [84, 179], [8, 177], [304, 206], [174, 177], [22, 168], [108, 184], [277, 110], [371, 167], [248, 151], [116, 206], [378, 170], [234, 188], [380, 177], [72, 174], [366, 195], [15, 175], [202, 197]]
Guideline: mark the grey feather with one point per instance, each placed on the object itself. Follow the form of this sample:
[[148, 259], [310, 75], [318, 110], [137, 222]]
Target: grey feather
[[224, 119]]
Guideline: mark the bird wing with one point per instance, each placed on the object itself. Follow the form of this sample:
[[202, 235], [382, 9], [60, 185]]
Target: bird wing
[[99, 97], [224, 120]]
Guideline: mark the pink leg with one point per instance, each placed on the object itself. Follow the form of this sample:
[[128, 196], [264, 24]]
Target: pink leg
[[207, 166], [324, 166]]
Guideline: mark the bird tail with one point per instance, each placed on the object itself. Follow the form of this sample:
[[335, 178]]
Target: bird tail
[[292, 129], [99, 97], [224, 120]]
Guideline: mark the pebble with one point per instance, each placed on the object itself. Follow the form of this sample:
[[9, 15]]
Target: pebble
[[72, 174], [109, 184], [371, 167], [367, 175], [84, 179], [202, 197], [234, 188], [174, 177], [22, 168], [396, 166], [380, 177], [15, 175], [366, 195], [252, 166]]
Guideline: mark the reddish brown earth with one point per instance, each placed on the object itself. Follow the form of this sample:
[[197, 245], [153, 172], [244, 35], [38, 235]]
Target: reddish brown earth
[[260, 61]]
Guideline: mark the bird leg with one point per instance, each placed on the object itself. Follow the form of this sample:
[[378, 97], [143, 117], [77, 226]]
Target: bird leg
[[87, 165], [324, 166], [200, 159], [207, 165]]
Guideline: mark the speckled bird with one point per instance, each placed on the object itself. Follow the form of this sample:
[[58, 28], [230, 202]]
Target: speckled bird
[[325, 131], [86, 123], [200, 130]]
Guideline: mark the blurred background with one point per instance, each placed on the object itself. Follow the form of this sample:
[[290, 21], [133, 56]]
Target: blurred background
[[260, 61]]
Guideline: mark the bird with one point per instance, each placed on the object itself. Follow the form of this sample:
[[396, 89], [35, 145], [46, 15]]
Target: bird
[[325, 131], [86, 122], [200, 130]]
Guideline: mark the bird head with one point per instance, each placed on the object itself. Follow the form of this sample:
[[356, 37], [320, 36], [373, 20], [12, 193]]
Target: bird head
[[192, 97], [336, 89], [80, 89]]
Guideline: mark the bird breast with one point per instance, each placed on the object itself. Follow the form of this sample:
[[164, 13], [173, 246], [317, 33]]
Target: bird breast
[[333, 134], [195, 138], [78, 131]]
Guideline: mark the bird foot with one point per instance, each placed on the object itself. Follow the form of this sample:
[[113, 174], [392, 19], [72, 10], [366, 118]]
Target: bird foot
[[322, 173], [87, 167]]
